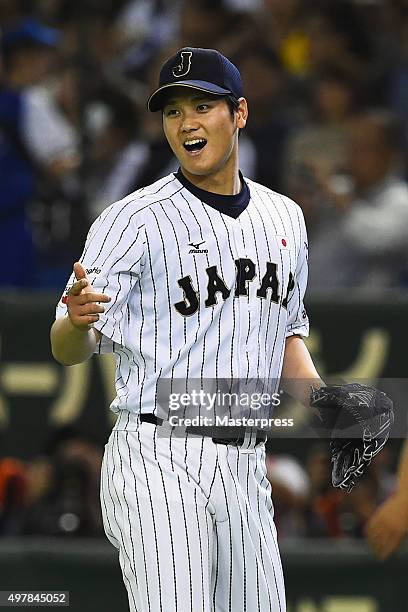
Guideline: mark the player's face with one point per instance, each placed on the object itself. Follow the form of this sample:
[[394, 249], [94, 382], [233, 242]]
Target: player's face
[[203, 134]]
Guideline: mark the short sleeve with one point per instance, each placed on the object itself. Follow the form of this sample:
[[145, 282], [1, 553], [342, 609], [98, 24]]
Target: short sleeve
[[113, 258], [297, 321]]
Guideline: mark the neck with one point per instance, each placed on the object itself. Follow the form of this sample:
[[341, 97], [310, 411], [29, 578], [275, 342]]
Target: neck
[[224, 181]]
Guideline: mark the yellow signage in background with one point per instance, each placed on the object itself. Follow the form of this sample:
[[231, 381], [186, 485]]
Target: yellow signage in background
[[337, 604]]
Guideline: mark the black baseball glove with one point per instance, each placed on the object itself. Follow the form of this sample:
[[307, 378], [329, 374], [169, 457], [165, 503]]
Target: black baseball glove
[[358, 420]]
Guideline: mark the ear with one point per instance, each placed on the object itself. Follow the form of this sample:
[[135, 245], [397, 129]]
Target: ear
[[242, 113]]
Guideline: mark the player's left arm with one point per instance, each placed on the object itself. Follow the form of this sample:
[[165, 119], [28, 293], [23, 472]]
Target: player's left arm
[[389, 524], [337, 408], [299, 372]]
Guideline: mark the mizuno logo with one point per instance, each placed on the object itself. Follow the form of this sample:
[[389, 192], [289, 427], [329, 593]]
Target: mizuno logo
[[196, 247]]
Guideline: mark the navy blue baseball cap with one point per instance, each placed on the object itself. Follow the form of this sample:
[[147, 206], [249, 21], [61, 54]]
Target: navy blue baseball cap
[[203, 69]]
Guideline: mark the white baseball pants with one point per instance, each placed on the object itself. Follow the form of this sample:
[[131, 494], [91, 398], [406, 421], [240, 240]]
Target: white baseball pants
[[193, 522]]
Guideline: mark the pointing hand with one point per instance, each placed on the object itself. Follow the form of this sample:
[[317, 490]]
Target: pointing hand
[[83, 303]]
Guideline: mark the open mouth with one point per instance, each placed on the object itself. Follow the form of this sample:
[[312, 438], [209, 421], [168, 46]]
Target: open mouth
[[195, 145]]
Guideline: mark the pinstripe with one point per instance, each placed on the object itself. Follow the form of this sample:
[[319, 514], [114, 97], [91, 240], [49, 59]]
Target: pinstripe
[[257, 535], [201, 461], [270, 301], [133, 566], [108, 232], [200, 545], [171, 535], [141, 343], [230, 542], [196, 284], [249, 311], [126, 203], [154, 307], [114, 301], [260, 550], [198, 321], [203, 361], [243, 552], [140, 521], [188, 543], [122, 548], [259, 267], [182, 274], [247, 487], [234, 316], [280, 301], [153, 520], [103, 496], [271, 557], [249, 506], [167, 281], [220, 311], [114, 247], [179, 257], [217, 559]]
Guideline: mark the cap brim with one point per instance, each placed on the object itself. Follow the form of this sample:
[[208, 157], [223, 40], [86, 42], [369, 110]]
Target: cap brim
[[155, 102]]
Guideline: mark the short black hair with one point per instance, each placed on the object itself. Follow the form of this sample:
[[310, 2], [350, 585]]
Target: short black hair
[[233, 104]]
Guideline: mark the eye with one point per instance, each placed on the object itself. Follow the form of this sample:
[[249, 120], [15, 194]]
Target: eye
[[171, 112], [203, 107]]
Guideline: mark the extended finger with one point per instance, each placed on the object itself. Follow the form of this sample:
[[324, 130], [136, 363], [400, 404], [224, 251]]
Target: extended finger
[[78, 286], [91, 308], [90, 297], [79, 271], [89, 319], [83, 320]]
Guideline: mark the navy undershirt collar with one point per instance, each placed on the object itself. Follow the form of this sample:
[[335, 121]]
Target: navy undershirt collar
[[231, 205]]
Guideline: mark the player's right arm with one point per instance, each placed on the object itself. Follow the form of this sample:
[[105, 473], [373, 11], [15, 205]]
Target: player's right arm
[[73, 339], [389, 524]]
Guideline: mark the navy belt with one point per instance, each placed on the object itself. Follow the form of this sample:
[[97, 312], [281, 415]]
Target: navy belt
[[219, 435]]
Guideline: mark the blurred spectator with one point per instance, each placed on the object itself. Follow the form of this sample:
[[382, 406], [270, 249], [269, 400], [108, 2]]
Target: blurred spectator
[[116, 154], [13, 495], [365, 243], [26, 58], [290, 490], [283, 30], [29, 60], [39, 147], [213, 24], [67, 501], [269, 112], [337, 37], [374, 488], [320, 146], [322, 509], [143, 28]]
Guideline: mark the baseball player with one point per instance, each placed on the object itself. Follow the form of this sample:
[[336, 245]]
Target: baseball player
[[199, 276]]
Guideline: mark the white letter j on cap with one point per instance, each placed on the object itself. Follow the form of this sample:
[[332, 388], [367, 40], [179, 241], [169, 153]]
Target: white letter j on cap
[[184, 67]]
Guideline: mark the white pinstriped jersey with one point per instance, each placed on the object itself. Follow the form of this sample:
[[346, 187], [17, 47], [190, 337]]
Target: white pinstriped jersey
[[195, 293]]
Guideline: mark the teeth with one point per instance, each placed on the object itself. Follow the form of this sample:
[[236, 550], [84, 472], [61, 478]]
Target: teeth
[[195, 141]]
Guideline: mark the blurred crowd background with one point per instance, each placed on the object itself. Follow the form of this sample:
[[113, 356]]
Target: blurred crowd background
[[327, 86]]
